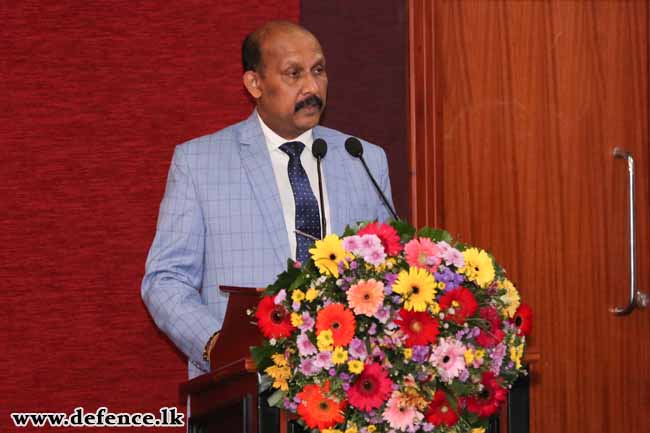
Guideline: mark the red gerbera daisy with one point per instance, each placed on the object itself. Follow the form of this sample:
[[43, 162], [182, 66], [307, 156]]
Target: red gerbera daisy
[[387, 234], [491, 398], [440, 411], [523, 319], [317, 409], [463, 303], [419, 327], [273, 320], [339, 320], [492, 334], [371, 389]]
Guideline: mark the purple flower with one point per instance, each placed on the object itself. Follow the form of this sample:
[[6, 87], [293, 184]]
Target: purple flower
[[332, 372], [307, 322], [324, 359], [383, 314], [373, 329], [346, 386], [449, 277], [309, 367], [451, 255], [295, 306], [369, 242], [420, 354], [345, 377], [497, 354], [357, 349], [352, 243], [378, 354], [390, 279], [375, 256], [305, 346], [280, 297], [353, 265]]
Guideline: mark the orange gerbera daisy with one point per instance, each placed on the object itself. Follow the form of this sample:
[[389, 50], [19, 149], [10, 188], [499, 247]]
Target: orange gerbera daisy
[[317, 409], [366, 297], [339, 320]]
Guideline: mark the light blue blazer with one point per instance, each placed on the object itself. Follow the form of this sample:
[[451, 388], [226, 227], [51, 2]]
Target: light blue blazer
[[221, 223]]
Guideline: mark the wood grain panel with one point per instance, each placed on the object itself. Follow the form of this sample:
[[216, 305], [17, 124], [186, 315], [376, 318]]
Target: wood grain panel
[[515, 122]]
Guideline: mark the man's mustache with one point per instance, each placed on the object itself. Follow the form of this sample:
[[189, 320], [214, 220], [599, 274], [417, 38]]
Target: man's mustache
[[312, 101]]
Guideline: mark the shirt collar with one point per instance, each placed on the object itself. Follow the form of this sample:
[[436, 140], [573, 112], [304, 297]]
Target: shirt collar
[[274, 141]]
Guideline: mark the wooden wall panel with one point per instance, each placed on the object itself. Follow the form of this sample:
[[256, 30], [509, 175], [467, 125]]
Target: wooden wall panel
[[515, 107]]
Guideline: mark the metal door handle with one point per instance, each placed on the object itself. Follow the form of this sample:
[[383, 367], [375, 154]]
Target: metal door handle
[[637, 299]]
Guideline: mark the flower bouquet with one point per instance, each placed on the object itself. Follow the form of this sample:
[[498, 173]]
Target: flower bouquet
[[391, 330]]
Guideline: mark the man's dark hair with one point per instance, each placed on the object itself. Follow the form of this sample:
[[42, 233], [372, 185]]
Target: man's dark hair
[[250, 52]]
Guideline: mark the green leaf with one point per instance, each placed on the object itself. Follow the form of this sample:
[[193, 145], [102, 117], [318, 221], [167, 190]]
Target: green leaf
[[405, 230], [276, 398], [262, 356], [285, 279], [299, 281], [436, 235]]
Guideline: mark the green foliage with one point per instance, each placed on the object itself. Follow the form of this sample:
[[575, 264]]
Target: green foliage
[[276, 399], [405, 230], [436, 235], [262, 356], [285, 279]]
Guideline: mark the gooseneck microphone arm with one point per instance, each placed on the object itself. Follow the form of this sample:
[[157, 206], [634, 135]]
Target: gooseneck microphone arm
[[319, 149], [354, 148]]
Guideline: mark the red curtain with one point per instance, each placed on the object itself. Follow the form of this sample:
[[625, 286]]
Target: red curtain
[[93, 98]]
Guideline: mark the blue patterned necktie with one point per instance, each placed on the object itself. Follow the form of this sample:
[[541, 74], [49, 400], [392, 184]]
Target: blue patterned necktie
[[307, 211]]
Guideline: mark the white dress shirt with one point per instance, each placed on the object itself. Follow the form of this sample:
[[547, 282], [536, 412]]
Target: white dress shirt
[[280, 162]]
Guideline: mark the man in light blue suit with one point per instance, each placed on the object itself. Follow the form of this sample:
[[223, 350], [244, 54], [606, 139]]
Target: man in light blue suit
[[234, 199]]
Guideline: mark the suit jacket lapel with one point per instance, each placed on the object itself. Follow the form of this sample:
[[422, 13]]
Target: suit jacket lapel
[[257, 165]]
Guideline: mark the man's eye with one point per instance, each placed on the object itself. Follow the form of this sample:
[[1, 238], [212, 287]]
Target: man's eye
[[293, 73], [319, 70]]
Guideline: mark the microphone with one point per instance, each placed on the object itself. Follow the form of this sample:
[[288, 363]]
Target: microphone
[[354, 148], [319, 149]]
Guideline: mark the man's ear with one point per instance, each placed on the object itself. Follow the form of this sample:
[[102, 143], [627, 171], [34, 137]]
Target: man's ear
[[252, 83]]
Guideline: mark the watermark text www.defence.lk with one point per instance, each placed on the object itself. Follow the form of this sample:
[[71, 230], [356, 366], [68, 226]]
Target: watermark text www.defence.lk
[[167, 417]]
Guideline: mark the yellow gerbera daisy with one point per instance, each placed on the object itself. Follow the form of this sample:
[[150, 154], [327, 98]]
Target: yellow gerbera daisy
[[478, 267], [296, 319], [417, 287], [297, 296], [355, 366], [511, 297], [516, 352], [311, 294], [327, 253], [325, 340], [280, 376], [339, 356]]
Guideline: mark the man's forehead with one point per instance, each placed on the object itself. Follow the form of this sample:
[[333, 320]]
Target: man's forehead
[[291, 43]]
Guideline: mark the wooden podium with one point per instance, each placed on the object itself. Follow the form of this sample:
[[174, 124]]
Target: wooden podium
[[227, 399]]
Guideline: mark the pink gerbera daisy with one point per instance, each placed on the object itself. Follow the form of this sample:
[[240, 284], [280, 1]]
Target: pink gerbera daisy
[[366, 297], [399, 414], [387, 234], [449, 359], [423, 253]]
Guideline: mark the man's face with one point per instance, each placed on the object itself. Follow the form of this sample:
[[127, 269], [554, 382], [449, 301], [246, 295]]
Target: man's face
[[291, 83]]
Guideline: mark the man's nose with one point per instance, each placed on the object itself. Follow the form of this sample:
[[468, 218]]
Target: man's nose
[[310, 84]]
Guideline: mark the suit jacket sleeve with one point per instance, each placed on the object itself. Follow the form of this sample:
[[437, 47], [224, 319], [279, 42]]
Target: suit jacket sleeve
[[174, 269]]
